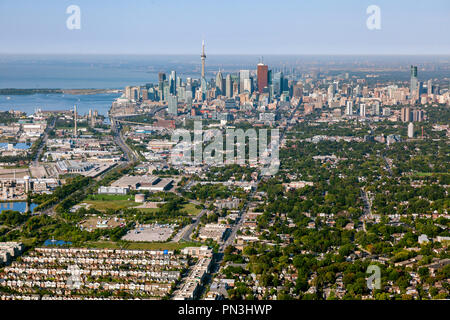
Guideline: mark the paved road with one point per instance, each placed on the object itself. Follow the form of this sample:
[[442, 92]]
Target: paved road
[[367, 208], [218, 258], [388, 166], [230, 239], [43, 143], [187, 235], [129, 154]]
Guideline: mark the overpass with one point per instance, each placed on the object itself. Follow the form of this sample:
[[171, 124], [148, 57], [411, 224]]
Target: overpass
[[115, 120]]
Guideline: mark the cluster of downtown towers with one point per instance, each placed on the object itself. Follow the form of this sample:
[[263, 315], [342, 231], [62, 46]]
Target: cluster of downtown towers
[[173, 90]]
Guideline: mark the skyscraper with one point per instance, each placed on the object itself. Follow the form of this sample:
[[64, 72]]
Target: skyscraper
[[219, 82], [413, 83], [330, 92], [229, 86], [262, 75], [128, 92], [243, 75], [349, 108], [172, 107], [277, 82], [376, 108], [248, 85], [362, 110], [417, 115], [429, 87], [406, 114], [173, 83], [161, 79]]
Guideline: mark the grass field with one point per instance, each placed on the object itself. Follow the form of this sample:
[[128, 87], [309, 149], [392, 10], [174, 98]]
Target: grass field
[[118, 202], [141, 245], [191, 209], [428, 174], [103, 205]]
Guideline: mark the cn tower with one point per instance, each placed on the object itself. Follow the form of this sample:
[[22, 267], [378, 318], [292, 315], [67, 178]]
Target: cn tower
[[203, 58]]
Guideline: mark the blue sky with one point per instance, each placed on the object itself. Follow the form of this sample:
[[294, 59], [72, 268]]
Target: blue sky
[[228, 26]]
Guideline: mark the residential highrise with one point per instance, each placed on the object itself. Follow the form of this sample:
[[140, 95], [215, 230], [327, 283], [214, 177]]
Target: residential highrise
[[417, 115], [172, 107], [128, 92], [297, 90], [349, 108], [410, 130], [429, 87], [362, 110], [376, 108], [330, 92], [406, 114]]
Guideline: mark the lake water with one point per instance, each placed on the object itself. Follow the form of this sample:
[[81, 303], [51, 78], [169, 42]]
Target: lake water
[[16, 206], [30, 103]]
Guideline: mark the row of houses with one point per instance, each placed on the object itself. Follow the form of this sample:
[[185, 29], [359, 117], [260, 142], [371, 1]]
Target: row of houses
[[74, 272]]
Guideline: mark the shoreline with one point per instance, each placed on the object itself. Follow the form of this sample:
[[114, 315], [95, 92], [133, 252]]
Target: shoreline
[[16, 92]]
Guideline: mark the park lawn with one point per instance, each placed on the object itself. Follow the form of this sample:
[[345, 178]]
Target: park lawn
[[428, 174], [117, 202], [148, 210], [141, 245], [191, 209], [103, 205]]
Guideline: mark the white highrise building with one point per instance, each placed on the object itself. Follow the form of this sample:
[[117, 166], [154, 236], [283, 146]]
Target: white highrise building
[[349, 108], [362, 110], [243, 75], [410, 130]]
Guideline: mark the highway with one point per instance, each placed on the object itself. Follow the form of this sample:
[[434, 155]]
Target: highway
[[43, 143], [130, 154]]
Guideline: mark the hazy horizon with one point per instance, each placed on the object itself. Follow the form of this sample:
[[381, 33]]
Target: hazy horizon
[[234, 27]]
